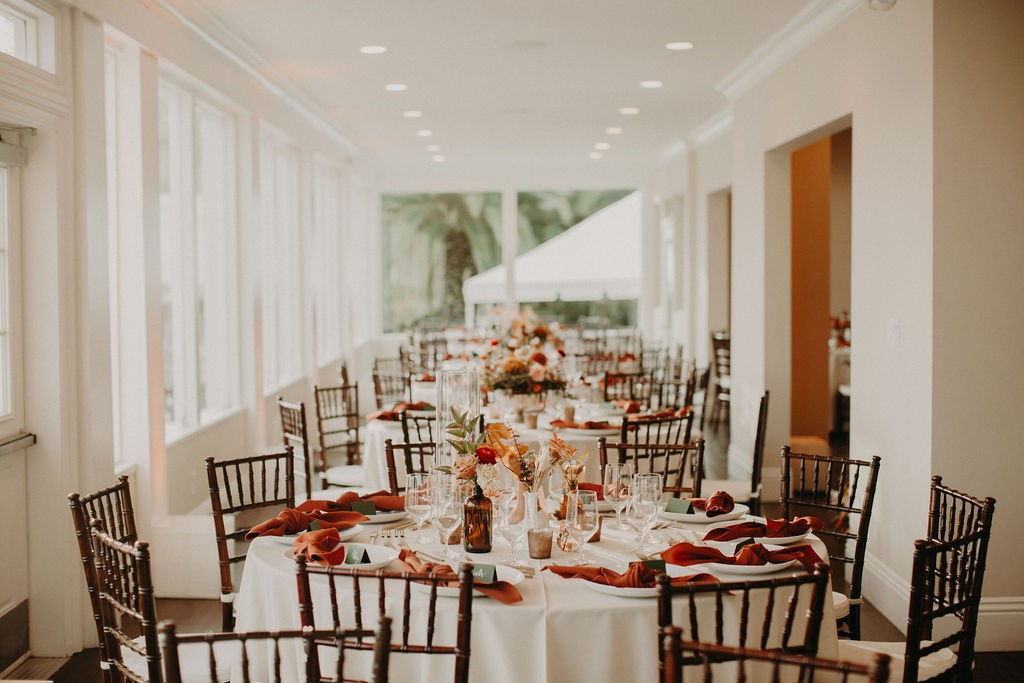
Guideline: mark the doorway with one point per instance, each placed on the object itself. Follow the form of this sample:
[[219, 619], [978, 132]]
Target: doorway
[[719, 260]]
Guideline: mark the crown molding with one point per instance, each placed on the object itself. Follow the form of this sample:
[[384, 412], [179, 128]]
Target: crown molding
[[712, 129], [806, 26], [216, 34]]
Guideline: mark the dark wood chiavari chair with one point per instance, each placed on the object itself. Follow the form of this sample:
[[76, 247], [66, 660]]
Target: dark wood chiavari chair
[[113, 507], [338, 422], [785, 600], [418, 427], [760, 665], [844, 488], [128, 607], [680, 465], [414, 457], [237, 486], [945, 587], [347, 589], [295, 435], [391, 383], [246, 664], [719, 391], [645, 429], [629, 386], [745, 492]]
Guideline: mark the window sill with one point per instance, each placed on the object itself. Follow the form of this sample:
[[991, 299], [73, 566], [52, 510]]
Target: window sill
[[176, 436]]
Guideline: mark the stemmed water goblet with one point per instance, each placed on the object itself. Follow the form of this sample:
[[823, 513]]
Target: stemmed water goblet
[[513, 522], [447, 509], [617, 477], [418, 500], [646, 505], [581, 521]]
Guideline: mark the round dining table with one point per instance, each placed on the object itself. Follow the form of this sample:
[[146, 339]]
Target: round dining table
[[563, 630]]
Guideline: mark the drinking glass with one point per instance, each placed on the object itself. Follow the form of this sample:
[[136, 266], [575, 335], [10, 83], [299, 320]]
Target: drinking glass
[[417, 500], [647, 504], [447, 509], [513, 523], [617, 477], [581, 520]]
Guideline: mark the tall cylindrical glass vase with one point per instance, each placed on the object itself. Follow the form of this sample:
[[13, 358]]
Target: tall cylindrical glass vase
[[457, 390]]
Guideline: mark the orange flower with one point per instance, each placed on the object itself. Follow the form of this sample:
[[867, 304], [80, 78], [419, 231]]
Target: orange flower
[[537, 388], [538, 372], [465, 467], [513, 366]]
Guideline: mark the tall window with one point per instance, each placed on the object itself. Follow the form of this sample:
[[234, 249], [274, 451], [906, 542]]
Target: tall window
[[281, 282], [327, 253], [198, 251], [27, 33]]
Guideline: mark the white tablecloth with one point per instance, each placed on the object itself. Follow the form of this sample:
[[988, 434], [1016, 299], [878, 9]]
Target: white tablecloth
[[562, 630]]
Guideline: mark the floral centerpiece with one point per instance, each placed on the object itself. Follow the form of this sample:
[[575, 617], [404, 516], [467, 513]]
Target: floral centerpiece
[[523, 371], [474, 463]]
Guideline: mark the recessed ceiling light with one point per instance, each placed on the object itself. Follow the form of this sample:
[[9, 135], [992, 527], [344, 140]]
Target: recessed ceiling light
[[412, 114], [373, 49], [594, 155], [396, 87], [613, 130], [629, 111], [438, 158], [424, 133], [433, 148], [602, 145], [650, 84], [680, 45]]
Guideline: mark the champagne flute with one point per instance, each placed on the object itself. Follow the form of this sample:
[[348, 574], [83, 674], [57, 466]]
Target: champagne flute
[[417, 500], [617, 477], [581, 520]]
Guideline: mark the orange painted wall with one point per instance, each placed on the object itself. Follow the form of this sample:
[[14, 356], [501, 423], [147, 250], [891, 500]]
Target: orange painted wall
[[811, 178]]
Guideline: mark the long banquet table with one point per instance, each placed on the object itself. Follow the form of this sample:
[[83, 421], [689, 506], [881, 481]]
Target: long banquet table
[[562, 631]]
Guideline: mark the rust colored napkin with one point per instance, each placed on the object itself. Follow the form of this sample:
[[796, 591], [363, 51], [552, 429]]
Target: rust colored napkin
[[502, 591], [596, 488], [382, 500], [629, 407], [637, 576], [323, 547], [775, 528], [290, 521], [718, 504], [395, 414], [685, 554], [427, 377], [589, 424]]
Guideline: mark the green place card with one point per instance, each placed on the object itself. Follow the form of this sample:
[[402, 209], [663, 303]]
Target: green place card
[[364, 507], [484, 573], [356, 554], [679, 506], [745, 541], [656, 565], [314, 525]]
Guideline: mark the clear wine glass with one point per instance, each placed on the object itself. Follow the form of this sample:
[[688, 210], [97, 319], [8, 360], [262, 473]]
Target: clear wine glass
[[418, 500], [581, 520], [617, 477], [513, 523], [647, 504], [447, 510]]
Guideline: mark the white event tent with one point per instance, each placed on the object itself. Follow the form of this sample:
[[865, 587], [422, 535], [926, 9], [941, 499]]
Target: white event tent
[[596, 258]]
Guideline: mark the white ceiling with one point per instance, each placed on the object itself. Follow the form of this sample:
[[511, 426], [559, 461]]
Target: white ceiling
[[515, 82]]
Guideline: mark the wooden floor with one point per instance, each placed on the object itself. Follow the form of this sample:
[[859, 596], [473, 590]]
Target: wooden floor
[[204, 615]]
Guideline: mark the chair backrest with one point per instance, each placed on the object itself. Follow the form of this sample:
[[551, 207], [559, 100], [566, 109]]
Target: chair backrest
[[127, 605], [764, 614], [413, 602], [947, 575], [840, 486], [594, 364], [414, 457], [337, 421], [390, 385], [757, 461], [432, 351], [295, 434], [760, 665], [654, 359], [630, 386], [646, 429], [417, 427], [246, 663], [113, 507], [681, 465], [721, 357], [253, 483]]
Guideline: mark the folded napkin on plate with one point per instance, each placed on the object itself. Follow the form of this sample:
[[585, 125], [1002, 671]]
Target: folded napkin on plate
[[427, 377], [638, 575], [395, 414], [773, 528], [596, 488], [382, 500], [294, 521], [323, 547], [720, 503], [502, 591], [627, 406], [589, 424], [685, 554]]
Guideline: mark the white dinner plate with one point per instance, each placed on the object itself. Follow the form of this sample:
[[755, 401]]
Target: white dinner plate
[[702, 518], [508, 574], [671, 569], [385, 517], [780, 540], [422, 413], [380, 556], [749, 569], [343, 534], [609, 431]]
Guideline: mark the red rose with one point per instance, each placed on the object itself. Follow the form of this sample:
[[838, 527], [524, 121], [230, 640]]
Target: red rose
[[494, 342], [486, 455], [539, 358], [537, 388], [561, 353]]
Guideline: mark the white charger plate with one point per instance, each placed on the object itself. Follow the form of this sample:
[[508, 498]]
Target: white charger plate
[[780, 540], [672, 570], [702, 518], [749, 569], [380, 556], [385, 517], [504, 573], [343, 534]]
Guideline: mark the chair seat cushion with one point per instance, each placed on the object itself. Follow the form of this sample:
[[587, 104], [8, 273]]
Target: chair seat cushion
[[840, 605], [739, 490], [864, 651], [344, 475], [195, 662]]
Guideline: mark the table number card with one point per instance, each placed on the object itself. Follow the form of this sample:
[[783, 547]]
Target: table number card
[[679, 506], [656, 565], [484, 573], [356, 554], [314, 525], [364, 507]]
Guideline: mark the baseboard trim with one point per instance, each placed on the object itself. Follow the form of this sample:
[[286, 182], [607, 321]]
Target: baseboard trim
[[886, 590], [1001, 624]]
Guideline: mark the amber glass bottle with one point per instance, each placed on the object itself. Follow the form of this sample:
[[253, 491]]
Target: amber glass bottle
[[476, 522]]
